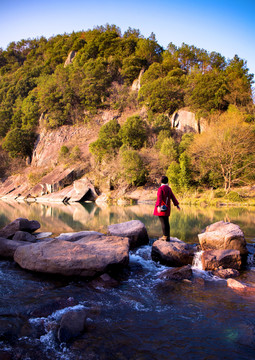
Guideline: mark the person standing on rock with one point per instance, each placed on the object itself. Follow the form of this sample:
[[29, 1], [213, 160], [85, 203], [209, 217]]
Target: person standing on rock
[[163, 206]]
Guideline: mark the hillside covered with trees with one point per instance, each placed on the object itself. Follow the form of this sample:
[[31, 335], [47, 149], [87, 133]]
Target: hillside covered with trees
[[37, 91]]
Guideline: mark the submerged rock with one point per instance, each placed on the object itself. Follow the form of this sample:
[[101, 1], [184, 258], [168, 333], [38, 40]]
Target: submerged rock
[[135, 230], [172, 253], [213, 259], [19, 224], [226, 273], [72, 325], [241, 287], [180, 273], [223, 235], [86, 257]]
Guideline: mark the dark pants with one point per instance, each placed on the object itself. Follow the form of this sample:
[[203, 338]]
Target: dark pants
[[164, 220]]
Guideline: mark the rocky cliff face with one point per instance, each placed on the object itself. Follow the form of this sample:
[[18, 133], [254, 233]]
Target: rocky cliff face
[[186, 121]]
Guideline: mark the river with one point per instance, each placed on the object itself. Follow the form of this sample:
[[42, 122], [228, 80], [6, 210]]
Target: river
[[142, 317]]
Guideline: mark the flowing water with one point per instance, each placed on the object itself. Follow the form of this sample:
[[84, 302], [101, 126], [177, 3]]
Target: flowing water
[[141, 317]]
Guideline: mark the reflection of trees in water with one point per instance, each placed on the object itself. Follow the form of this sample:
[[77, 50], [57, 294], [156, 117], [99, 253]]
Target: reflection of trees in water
[[186, 224]]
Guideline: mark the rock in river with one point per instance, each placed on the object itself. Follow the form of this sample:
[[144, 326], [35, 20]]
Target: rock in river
[[19, 224], [172, 253], [87, 257], [227, 259], [223, 235], [135, 230]]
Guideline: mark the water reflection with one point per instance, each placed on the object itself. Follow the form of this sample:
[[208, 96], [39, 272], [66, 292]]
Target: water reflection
[[186, 224]]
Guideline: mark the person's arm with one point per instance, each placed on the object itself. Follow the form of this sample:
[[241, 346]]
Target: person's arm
[[174, 200]]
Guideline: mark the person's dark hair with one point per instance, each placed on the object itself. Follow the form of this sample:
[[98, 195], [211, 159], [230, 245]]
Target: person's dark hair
[[164, 180]]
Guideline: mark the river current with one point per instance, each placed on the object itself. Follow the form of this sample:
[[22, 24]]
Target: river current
[[140, 317]]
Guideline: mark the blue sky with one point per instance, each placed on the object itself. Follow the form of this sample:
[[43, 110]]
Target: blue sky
[[225, 26]]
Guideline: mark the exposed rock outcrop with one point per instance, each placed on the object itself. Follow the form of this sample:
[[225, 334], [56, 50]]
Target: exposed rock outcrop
[[213, 259], [172, 253], [70, 58], [241, 287], [137, 82], [186, 121], [87, 257], [223, 235], [135, 230]]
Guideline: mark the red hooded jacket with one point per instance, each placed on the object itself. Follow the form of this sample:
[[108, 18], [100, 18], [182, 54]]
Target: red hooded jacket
[[165, 195]]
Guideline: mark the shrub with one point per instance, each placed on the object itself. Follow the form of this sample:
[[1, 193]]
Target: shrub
[[19, 143], [133, 169], [75, 153], [234, 196], [133, 133]]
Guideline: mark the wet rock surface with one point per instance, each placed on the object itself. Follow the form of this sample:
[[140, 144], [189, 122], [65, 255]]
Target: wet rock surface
[[213, 259], [181, 273], [72, 325], [172, 253]]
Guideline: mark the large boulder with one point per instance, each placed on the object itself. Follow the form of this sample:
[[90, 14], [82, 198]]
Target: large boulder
[[72, 324], [135, 230], [19, 224], [172, 253], [87, 257], [8, 247], [223, 235], [227, 259]]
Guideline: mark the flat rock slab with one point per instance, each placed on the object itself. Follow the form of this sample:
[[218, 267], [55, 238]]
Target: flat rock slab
[[74, 236], [135, 230], [227, 259], [223, 235], [87, 257], [19, 224], [172, 253]]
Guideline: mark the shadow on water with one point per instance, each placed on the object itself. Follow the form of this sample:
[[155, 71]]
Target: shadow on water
[[141, 317]]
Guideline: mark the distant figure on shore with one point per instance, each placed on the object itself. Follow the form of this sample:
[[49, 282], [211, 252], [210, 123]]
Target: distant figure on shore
[[163, 206]]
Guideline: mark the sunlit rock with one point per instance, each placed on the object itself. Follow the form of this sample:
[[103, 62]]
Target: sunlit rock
[[88, 257], [135, 230], [241, 287], [223, 235]]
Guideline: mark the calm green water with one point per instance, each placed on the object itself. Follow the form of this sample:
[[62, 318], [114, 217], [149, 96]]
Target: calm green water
[[185, 225]]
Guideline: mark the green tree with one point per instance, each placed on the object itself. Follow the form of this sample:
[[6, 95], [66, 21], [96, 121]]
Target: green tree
[[225, 151], [108, 141], [133, 133], [133, 168], [19, 143], [173, 174], [185, 178]]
